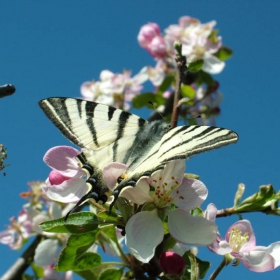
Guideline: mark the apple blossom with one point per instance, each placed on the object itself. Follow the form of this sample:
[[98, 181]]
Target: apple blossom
[[147, 33], [19, 230], [144, 230], [196, 42], [114, 89], [66, 175], [240, 244]]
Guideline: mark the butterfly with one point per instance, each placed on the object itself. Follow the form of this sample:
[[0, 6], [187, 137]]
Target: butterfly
[[107, 134]]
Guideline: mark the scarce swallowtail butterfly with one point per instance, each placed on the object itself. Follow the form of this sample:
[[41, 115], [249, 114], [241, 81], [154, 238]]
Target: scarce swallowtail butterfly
[[107, 134]]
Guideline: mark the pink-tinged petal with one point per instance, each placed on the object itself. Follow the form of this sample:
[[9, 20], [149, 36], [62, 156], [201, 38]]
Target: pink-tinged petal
[[147, 33], [69, 191], [138, 194], [245, 227], [112, 172], [7, 237], [144, 231], [190, 194], [257, 261], [211, 212], [220, 246], [273, 249], [46, 252], [63, 159], [190, 229], [57, 178], [212, 64]]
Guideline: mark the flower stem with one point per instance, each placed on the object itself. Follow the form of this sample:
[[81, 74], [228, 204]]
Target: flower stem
[[181, 67], [218, 270]]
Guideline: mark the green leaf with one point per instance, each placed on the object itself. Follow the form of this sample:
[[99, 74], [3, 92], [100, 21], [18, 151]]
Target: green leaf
[[143, 99], [206, 78], [38, 270], [195, 66], [187, 91], [167, 82], [75, 256], [111, 274], [224, 53], [77, 223], [87, 275], [107, 218], [266, 199]]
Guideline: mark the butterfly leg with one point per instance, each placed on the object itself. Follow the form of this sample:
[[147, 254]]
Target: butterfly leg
[[91, 194]]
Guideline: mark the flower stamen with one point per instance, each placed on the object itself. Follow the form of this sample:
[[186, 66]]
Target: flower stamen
[[237, 238]]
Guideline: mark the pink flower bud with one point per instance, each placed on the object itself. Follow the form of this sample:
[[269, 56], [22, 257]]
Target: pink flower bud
[[157, 47], [147, 33], [172, 263], [56, 178]]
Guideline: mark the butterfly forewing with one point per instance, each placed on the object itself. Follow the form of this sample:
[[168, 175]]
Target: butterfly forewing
[[94, 126]]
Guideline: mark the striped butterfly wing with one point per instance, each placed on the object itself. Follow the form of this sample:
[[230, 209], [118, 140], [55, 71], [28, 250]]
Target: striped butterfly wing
[[180, 142], [107, 131], [109, 135]]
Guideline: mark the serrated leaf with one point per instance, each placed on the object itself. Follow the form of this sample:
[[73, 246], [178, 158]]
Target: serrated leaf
[[224, 53], [75, 256], [77, 223], [111, 274], [167, 82], [195, 66], [187, 91], [144, 99]]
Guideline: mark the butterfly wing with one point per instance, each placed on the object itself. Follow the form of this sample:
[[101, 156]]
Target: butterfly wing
[[179, 142], [106, 133]]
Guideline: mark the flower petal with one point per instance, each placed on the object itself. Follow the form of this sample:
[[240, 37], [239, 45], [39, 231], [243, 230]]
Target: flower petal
[[138, 194], [212, 64], [68, 191], [63, 159], [144, 231], [173, 173], [258, 261], [211, 212], [46, 252], [112, 172], [190, 194], [190, 229]]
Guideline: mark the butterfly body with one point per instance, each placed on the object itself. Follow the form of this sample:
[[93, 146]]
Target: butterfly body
[[107, 134]]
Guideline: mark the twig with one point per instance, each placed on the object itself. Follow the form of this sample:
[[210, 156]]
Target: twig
[[7, 90], [181, 67], [16, 271]]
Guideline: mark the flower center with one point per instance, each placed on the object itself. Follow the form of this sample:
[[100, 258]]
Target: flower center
[[237, 239], [162, 192]]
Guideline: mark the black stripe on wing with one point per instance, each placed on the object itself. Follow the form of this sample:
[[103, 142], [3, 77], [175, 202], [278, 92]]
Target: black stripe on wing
[[197, 141], [56, 110]]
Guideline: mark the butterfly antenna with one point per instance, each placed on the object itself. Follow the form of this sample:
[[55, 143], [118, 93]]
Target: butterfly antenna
[[158, 112]]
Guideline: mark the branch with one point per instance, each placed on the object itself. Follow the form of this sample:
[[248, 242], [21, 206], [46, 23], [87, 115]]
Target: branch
[[7, 90], [16, 271]]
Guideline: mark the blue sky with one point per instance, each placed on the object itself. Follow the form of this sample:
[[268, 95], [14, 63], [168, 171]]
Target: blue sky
[[48, 48]]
